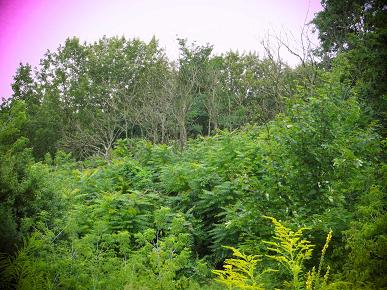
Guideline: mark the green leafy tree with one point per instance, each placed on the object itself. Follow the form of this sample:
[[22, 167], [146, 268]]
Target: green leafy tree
[[359, 29], [16, 186]]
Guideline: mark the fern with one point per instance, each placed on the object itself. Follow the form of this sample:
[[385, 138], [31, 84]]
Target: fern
[[290, 250], [239, 272], [21, 271]]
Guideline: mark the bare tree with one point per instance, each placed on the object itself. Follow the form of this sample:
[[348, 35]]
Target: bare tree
[[98, 137], [183, 98], [303, 49], [213, 100]]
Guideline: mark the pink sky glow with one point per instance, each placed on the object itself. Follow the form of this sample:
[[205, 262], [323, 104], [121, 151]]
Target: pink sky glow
[[29, 27]]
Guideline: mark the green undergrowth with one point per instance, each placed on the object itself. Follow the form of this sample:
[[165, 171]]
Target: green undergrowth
[[157, 217]]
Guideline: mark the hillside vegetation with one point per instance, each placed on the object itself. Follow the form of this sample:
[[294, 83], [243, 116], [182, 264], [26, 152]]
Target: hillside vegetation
[[122, 170]]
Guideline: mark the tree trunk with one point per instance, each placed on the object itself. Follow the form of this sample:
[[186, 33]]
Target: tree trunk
[[183, 134], [209, 125], [162, 130]]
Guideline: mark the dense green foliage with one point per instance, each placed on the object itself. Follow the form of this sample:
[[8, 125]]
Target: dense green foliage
[[122, 170], [357, 29]]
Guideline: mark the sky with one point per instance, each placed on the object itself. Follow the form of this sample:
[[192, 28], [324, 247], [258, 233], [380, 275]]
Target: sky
[[29, 27]]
